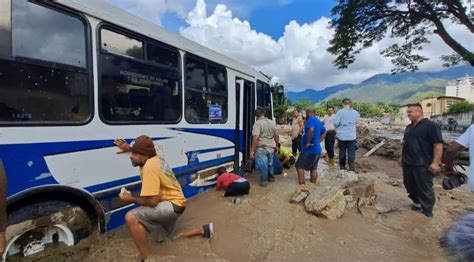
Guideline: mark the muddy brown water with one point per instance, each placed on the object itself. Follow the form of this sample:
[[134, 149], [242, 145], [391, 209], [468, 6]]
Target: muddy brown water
[[266, 227]]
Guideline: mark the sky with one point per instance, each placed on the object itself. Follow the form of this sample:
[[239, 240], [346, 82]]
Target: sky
[[285, 39]]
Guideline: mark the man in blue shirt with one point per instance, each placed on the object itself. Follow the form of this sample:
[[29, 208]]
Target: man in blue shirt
[[314, 133], [345, 122]]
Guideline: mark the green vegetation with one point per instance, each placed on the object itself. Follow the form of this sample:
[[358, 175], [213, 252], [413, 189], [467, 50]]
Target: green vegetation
[[366, 109], [460, 107]]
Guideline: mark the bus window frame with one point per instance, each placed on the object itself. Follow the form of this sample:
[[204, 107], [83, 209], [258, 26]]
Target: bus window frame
[[263, 97], [89, 68], [120, 30], [206, 62]]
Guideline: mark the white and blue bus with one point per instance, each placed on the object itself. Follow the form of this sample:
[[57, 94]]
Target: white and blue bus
[[75, 75]]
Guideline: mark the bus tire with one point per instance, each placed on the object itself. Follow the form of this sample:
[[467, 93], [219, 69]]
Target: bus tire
[[45, 225]]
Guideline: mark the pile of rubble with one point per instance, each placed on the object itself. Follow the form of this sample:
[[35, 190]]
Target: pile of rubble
[[390, 148], [330, 201]]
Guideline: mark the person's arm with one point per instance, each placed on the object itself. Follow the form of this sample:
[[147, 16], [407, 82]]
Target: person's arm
[[309, 137], [219, 183], [322, 134], [437, 154], [453, 149], [436, 139], [450, 155], [255, 140], [322, 137], [301, 124], [286, 159], [276, 137], [337, 120], [253, 147], [3, 209], [149, 201]]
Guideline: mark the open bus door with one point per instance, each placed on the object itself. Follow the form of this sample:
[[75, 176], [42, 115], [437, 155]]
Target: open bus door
[[245, 119]]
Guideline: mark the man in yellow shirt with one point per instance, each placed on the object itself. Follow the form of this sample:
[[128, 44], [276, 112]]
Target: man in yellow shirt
[[161, 199]]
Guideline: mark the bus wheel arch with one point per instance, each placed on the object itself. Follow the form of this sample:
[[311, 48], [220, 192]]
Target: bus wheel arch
[[68, 194], [51, 215]]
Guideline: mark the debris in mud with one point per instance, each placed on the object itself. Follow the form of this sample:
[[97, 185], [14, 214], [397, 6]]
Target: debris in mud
[[347, 177], [391, 148], [385, 209], [361, 193], [327, 201], [299, 196], [395, 183]]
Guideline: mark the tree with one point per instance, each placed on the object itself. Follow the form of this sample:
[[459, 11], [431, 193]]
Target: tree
[[460, 107], [280, 104], [303, 104], [361, 23]]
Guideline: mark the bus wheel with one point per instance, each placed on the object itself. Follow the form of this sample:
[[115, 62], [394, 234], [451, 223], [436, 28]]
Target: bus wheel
[[42, 229]]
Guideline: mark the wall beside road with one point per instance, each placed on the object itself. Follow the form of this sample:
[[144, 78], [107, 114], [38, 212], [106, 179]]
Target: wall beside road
[[464, 119]]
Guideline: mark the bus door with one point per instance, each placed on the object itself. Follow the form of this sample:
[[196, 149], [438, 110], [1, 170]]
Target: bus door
[[245, 117]]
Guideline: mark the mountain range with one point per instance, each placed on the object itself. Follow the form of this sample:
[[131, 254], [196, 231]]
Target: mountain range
[[388, 88]]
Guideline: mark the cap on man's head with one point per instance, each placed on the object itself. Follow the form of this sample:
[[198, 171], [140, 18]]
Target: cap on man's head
[[346, 101], [143, 145]]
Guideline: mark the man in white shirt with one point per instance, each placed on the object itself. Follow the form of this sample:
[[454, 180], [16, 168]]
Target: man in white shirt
[[465, 141], [330, 138]]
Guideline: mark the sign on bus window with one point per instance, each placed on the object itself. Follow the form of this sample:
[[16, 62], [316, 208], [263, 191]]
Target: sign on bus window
[[215, 113]]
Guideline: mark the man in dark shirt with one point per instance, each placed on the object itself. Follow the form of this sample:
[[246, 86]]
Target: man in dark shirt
[[421, 158]]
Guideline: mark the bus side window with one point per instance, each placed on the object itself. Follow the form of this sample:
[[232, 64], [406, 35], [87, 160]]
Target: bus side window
[[45, 79], [264, 95], [206, 92], [133, 90]]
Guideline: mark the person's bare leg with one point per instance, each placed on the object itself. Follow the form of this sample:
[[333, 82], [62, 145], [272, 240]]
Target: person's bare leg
[[314, 176], [300, 176], [138, 232], [191, 233]]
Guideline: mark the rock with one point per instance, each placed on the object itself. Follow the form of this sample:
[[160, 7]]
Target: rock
[[361, 193], [388, 208], [394, 183], [299, 196], [327, 201], [347, 177]]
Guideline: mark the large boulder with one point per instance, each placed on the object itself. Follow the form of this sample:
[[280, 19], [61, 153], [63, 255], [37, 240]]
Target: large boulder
[[327, 201]]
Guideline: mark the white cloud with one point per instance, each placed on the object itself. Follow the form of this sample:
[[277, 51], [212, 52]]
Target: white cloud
[[153, 10], [298, 59], [230, 36]]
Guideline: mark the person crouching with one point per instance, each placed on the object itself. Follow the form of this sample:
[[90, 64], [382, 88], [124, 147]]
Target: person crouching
[[233, 184]]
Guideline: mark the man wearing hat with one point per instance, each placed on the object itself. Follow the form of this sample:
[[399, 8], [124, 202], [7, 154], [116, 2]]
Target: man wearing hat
[[161, 199]]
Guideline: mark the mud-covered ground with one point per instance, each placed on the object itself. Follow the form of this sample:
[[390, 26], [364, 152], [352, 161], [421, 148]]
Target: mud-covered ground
[[266, 227]]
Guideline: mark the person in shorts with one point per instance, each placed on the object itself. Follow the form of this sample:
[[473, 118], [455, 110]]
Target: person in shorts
[[314, 133], [234, 185], [161, 199]]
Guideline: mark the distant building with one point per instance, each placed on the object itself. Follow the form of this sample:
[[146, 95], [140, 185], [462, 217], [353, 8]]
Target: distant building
[[433, 106], [462, 87]]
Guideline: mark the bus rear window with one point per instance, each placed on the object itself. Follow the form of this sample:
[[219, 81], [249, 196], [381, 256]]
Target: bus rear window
[[45, 78]]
